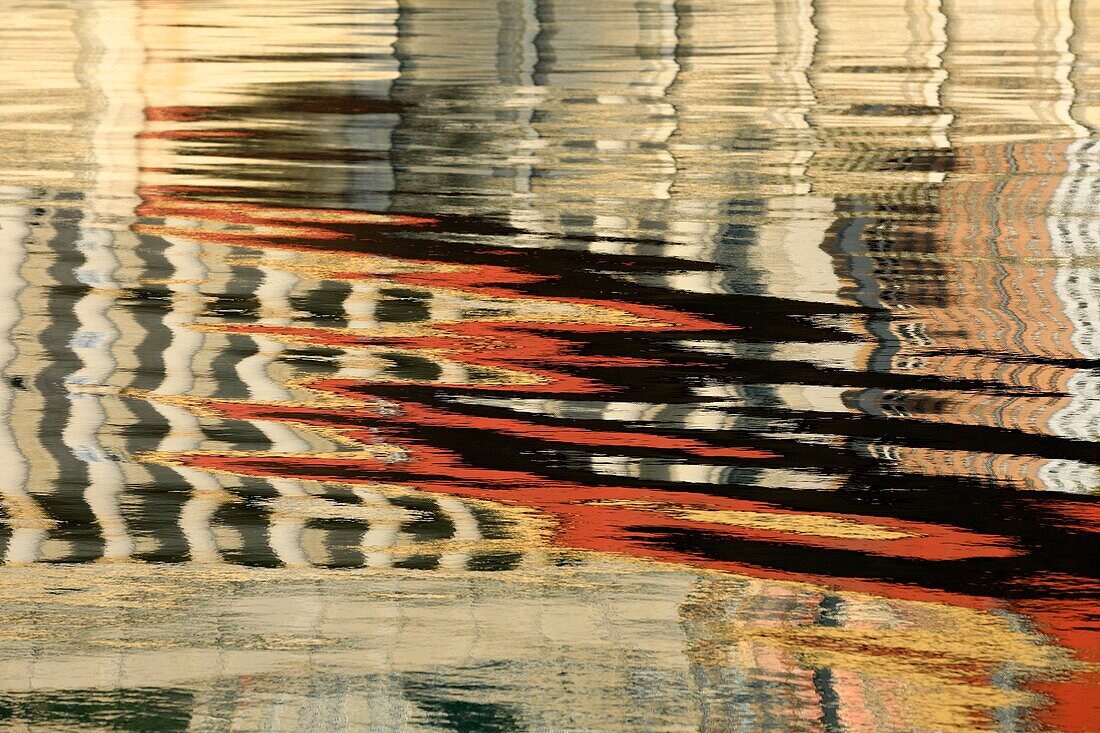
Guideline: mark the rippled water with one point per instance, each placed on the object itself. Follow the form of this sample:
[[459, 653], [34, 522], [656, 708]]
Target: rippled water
[[550, 365]]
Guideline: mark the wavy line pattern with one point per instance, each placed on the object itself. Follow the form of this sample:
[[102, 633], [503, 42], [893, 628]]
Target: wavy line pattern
[[786, 312]]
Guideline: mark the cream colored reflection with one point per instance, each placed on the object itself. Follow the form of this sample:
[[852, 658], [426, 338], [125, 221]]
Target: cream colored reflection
[[98, 343], [194, 64], [93, 344], [1035, 53], [110, 29], [717, 173], [31, 264], [879, 71], [618, 148], [524, 97], [193, 68], [677, 176], [27, 522], [1084, 71], [43, 114], [564, 648]]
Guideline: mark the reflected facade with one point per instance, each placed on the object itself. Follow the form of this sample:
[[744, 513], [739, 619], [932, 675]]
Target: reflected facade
[[722, 362]]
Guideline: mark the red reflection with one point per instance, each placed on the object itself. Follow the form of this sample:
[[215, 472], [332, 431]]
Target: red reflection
[[536, 357]]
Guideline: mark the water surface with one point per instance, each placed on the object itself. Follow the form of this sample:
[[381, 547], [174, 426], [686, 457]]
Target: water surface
[[550, 365]]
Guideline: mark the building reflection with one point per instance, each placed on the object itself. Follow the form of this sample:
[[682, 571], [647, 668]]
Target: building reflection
[[868, 171], [803, 208], [980, 278], [587, 648]]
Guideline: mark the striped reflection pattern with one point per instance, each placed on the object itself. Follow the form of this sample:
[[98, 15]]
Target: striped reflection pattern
[[734, 365]]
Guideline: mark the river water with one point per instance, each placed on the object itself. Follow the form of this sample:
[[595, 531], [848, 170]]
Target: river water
[[550, 365]]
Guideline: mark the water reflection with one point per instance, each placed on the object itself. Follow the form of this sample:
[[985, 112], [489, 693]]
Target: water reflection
[[799, 299], [584, 648]]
